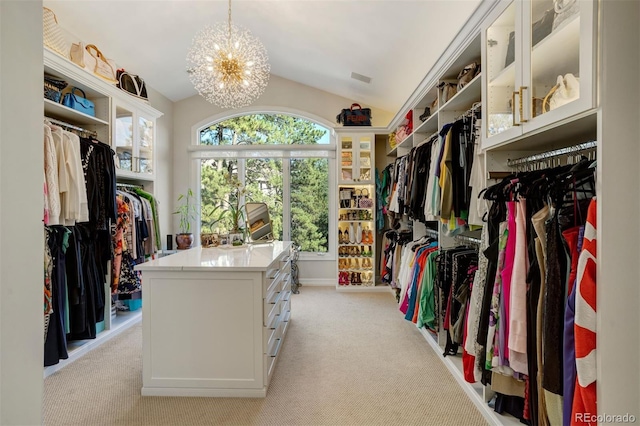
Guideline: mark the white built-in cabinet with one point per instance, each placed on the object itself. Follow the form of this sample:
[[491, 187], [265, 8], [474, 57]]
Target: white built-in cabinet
[[134, 139], [443, 111], [522, 63], [224, 335], [128, 125], [356, 233], [511, 93], [356, 157]]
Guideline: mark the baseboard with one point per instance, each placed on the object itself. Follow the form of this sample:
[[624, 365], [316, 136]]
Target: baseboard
[[473, 391], [311, 282], [78, 349]]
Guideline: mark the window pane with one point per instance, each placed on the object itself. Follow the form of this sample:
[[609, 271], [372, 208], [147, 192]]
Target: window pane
[[263, 181], [310, 203], [217, 193], [264, 129], [263, 173]]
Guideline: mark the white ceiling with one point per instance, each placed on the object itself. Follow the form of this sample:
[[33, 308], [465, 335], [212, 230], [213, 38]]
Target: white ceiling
[[317, 43]]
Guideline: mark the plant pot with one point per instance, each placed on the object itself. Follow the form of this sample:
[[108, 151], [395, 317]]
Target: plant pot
[[184, 241], [236, 239], [209, 240]]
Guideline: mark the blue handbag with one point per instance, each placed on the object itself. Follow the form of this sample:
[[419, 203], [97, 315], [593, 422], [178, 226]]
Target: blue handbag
[[79, 103]]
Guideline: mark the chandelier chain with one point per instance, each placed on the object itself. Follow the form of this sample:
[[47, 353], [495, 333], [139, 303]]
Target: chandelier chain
[[229, 21]]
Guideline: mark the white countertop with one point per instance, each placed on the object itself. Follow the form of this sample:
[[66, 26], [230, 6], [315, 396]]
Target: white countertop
[[256, 257]]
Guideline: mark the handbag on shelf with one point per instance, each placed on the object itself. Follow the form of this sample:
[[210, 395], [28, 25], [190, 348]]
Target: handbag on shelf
[[79, 103], [132, 84], [511, 49], [401, 134], [564, 10], [91, 59], [539, 30], [447, 90], [567, 89], [53, 88], [345, 197], [365, 202], [355, 116], [408, 121], [434, 106], [542, 27], [467, 74], [392, 140], [52, 34]]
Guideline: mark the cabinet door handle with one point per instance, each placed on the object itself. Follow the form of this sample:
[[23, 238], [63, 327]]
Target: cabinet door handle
[[513, 107], [522, 89]]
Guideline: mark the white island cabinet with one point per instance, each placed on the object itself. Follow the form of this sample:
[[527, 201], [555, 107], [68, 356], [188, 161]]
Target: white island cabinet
[[214, 320]]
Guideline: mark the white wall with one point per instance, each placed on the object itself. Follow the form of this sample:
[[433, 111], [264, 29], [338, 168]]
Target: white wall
[[618, 289], [164, 161], [280, 93], [21, 208]]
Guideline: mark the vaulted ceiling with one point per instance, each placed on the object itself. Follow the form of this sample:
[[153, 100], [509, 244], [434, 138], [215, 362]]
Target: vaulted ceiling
[[316, 43]]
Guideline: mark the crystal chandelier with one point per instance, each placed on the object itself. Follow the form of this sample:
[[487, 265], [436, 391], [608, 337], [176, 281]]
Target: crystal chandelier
[[228, 66]]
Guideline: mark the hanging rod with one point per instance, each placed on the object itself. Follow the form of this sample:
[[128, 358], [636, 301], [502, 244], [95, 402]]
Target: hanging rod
[[555, 153], [433, 233], [129, 185], [475, 107], [428, 139], [468, 239], [70, 126]]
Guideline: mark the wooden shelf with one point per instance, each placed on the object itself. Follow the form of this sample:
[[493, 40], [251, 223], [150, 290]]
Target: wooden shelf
[[135, 176], [429, 126], [59, 111], [466, 97], [570, 131]]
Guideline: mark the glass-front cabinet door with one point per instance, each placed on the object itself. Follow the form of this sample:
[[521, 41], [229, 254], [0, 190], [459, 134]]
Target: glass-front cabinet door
[[539, 66], [346, 166], [501, 57], [123, 138], [558, 67], [356, 158], [365, 158], [134, 140], [146, 135]]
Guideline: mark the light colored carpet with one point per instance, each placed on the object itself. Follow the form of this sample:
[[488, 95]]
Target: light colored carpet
[[349, 359]]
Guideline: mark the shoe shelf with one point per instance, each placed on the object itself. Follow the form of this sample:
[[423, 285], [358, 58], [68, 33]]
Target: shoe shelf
[[356, 239]]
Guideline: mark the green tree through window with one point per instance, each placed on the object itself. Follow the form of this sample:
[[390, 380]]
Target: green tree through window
[[307, 185]]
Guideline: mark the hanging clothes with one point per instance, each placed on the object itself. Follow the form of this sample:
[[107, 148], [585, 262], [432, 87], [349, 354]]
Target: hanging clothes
[[78, 173], [584, 400]]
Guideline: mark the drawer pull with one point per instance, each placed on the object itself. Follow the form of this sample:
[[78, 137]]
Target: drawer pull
[[276, 349]]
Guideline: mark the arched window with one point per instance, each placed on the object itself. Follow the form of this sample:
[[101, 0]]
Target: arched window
[[282, 160]]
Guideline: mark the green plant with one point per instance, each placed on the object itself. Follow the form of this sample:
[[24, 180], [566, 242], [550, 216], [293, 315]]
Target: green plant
[[211, 216], [187, 211], [235, 205]]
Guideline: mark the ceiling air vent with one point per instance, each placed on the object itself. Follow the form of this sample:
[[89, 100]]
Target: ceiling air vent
[[360, 77]]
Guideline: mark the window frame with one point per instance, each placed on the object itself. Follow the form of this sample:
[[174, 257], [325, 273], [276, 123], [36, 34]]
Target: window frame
[[197, 152]]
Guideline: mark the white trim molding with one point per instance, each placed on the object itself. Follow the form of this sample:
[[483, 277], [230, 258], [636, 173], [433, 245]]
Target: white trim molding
[[264, 109]]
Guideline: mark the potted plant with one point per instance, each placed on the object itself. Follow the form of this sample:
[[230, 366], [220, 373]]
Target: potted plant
[[188, 213], [211, 216], [236, 211]]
